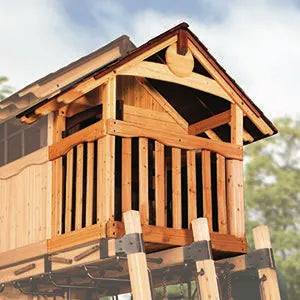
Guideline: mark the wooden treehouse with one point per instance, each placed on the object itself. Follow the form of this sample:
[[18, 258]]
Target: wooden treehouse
[[159, 129]]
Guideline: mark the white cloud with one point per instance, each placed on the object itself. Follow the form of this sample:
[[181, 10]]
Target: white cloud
[[256, 41], [36, 39]]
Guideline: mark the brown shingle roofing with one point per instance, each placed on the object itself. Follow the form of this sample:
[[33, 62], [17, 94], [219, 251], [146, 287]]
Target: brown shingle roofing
[[28, 96]]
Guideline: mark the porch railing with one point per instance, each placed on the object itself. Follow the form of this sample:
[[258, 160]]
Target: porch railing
[[171, 179]]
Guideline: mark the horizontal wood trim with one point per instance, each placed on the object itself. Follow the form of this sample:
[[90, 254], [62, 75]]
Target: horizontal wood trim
[[23, 254], [75, 238], [210, 123], [88, 134], [38, 157], [189, 142], [162, 72], [179, 237]]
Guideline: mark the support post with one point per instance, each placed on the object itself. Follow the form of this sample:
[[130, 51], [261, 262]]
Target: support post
[[207, 278], [234, 177], [137, 263], [267, 276]]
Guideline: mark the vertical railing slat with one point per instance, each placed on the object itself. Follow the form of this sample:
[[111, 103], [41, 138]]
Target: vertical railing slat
[[206, 183], [69, 191], [160, 197], [221, 194], [192, 189], [126, 174], [143, 181], [57, 179], [79, 187], [176, 188], [90, 184]]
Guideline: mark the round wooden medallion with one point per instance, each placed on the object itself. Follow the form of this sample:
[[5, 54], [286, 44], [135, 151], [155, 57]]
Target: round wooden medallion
[[180, 65]]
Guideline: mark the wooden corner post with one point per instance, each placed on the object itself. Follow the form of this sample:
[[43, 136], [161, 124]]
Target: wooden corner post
[[106, 156], [207, 278], [267, 276], [137, 263], [235, 180]]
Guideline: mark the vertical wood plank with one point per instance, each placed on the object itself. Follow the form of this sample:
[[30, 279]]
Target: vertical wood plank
[[57, 178], [79, 187], [176, 188], [192, 188], [90, 184], [269, 287], [160, 198], [207, 278], [221, 194], [143, 181], [137, 263], [69, 191], [126, 174], [206, 182]]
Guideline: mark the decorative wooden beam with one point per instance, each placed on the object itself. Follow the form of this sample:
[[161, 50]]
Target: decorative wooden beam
[[182, 43], [88, 134], [189, 142], [210, 123], [162, 72]]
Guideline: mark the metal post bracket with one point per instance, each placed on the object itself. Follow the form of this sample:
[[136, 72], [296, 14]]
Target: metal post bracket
[[130, 243], [260, 259], [197, 251]]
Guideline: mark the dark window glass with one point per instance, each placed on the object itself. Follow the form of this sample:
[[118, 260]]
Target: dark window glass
[[13, 126], [32, 139], [2, 153], [14, 147], [1, 132]]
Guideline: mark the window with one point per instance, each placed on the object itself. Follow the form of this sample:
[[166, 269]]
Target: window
[[17, 139]]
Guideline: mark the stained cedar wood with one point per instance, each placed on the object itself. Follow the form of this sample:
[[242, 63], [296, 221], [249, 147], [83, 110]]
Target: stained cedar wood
[[59, 125], [180, 237], [121, 128], [160, 195], [69, 191], [143, 181], [88, 134], [90, 183], [210, 123], [221, 194], [126, 174], [192, 189], [79, 187], [161, 72], [176, 188], [206, 183], [208, 280]]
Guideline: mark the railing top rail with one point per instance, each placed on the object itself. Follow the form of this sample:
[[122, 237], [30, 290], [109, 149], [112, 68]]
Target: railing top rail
[[88, 134], [188, 142]]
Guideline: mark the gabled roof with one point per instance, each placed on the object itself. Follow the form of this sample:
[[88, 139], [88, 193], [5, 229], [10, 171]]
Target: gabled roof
[[130, 53]]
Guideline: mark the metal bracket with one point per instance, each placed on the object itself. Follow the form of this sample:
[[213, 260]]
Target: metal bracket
[[260, 259], [130, 243], [47, 264], [103, 248], [197, 251]]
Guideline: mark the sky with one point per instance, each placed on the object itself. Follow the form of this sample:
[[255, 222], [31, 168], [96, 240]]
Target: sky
[[256, 41]]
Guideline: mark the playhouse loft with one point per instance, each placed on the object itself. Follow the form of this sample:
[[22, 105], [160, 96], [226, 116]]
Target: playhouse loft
[[159, 129]]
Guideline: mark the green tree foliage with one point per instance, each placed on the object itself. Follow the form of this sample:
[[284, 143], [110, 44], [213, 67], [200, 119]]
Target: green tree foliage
[[272, 192], [5, 90]]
